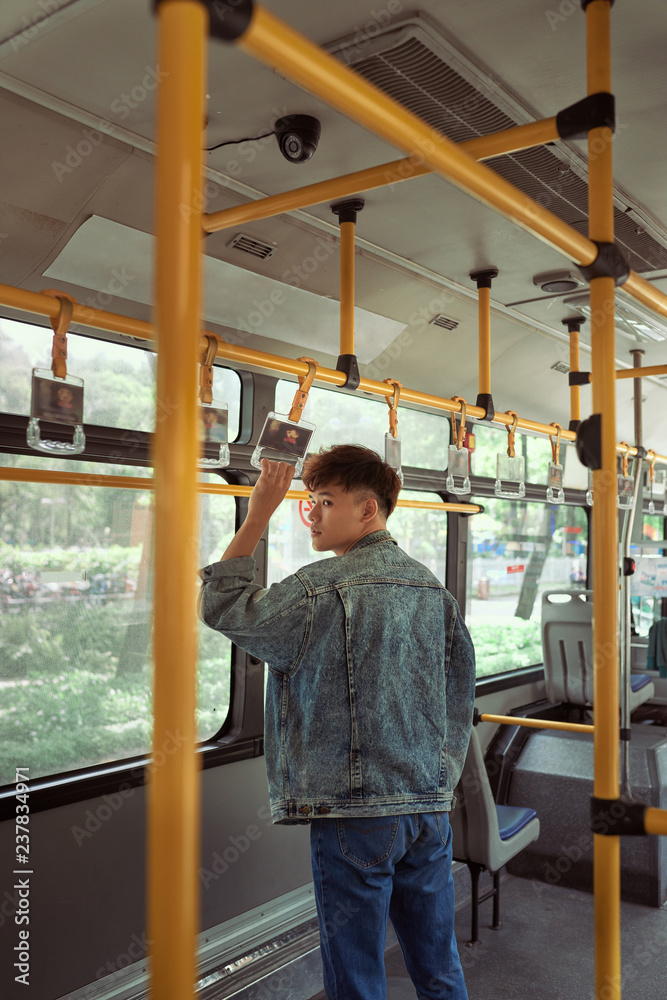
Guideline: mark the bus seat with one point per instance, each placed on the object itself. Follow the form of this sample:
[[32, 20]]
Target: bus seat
[[656, 658], [567, 643], [486, 836]]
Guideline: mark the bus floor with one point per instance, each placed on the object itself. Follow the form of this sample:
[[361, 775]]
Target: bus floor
[[545, 948]]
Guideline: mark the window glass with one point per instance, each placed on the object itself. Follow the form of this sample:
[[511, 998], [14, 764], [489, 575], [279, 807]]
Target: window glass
[[648, 584], [491, 440], [119, 380], [517, 552], [75, 624], [421, 533], [345, 419]]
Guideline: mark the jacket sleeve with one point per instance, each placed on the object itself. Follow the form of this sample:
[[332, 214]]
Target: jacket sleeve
[[269, 624], [460, 696]]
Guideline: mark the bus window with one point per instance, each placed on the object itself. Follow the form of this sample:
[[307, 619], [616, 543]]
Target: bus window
[[343, 419], [420, 533], [517, 551], [75, 641], [648, 584], [119, 379]]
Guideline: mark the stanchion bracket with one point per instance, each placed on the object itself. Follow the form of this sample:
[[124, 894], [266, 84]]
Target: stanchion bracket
[[579, 378], [479, 509], [485, 402], [617, 817], [594, 111], [609, 263], [347, 210], [347, 363], [589, 442], [574, 425]]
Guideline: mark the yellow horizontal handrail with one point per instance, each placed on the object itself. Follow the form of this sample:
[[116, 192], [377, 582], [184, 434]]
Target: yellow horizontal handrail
[[11, 474], [655, 821], [99, 319], [484, 147], [278, 45], [637, 372], [511, 720]]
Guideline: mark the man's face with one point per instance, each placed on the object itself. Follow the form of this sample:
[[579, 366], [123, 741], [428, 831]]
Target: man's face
[[337, 519]]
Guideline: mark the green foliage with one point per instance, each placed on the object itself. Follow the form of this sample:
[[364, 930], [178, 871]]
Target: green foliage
[[75, 718], [506, 647], [92, 560]]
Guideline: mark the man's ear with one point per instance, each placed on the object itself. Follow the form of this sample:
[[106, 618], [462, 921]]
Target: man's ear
[[370, 509]]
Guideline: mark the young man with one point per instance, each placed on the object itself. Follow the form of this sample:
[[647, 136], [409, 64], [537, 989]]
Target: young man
[[368, 713]]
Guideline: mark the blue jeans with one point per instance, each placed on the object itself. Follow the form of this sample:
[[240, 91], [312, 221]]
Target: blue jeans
[[367, 870]]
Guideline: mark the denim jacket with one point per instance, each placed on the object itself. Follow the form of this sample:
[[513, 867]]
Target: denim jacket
[[371, 680]]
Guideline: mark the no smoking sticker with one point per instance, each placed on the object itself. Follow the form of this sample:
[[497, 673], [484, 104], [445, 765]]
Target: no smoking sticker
[[305, 507]]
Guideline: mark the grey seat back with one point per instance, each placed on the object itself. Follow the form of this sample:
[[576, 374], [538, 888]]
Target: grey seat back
[[474, 819], [567, 643]]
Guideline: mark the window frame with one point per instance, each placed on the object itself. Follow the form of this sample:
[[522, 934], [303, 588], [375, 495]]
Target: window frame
[[240, 735]]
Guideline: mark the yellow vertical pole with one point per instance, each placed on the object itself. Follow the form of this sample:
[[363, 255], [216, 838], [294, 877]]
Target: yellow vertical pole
[[484, 280], [484, 306], [575, 390], [573, 324], [347, 287], [606, 864], [173, 790], [347, 212]]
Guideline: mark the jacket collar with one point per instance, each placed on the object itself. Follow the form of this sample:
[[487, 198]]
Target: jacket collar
[[375, 536]]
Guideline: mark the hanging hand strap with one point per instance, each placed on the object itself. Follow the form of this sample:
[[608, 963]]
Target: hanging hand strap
[[650, 458], [555, 445], [459, 437], [60, 327], [301, 395], [511, 430], [206, 370], [392, 403], [625, 458]]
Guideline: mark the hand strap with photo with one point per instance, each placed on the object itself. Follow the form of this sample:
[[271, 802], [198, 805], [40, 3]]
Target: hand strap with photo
[[286, 437], [555, 491], [458, 460], [214, 414], [206, 370], [510, 468], [301, 394], [650, 458], [626, 487], [392, 442], [56, 396]]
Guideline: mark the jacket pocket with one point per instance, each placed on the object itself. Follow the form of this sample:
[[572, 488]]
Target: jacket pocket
[[368, 840]]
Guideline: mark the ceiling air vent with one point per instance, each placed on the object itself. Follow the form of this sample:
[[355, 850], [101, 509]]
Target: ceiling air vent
[[561, 366], [252, 246], [444, 321], [413, 62]]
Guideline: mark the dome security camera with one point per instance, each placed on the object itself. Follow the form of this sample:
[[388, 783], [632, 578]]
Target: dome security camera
[[298, 136]]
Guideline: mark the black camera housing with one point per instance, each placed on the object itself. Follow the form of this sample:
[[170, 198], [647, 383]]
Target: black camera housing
[[298, 136]]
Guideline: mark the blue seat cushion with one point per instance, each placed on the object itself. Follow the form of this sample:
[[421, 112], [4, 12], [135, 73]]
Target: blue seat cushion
[[511, 819], [638, 681]]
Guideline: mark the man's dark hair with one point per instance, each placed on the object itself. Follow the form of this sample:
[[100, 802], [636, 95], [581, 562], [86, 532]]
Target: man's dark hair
[[358, 470]]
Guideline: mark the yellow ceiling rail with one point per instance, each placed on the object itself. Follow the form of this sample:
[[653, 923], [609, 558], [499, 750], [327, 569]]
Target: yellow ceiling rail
[[295, 56], [511, 720], [42, 305], [637, 372], [655, 821], [56, 477], [485, 147]]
